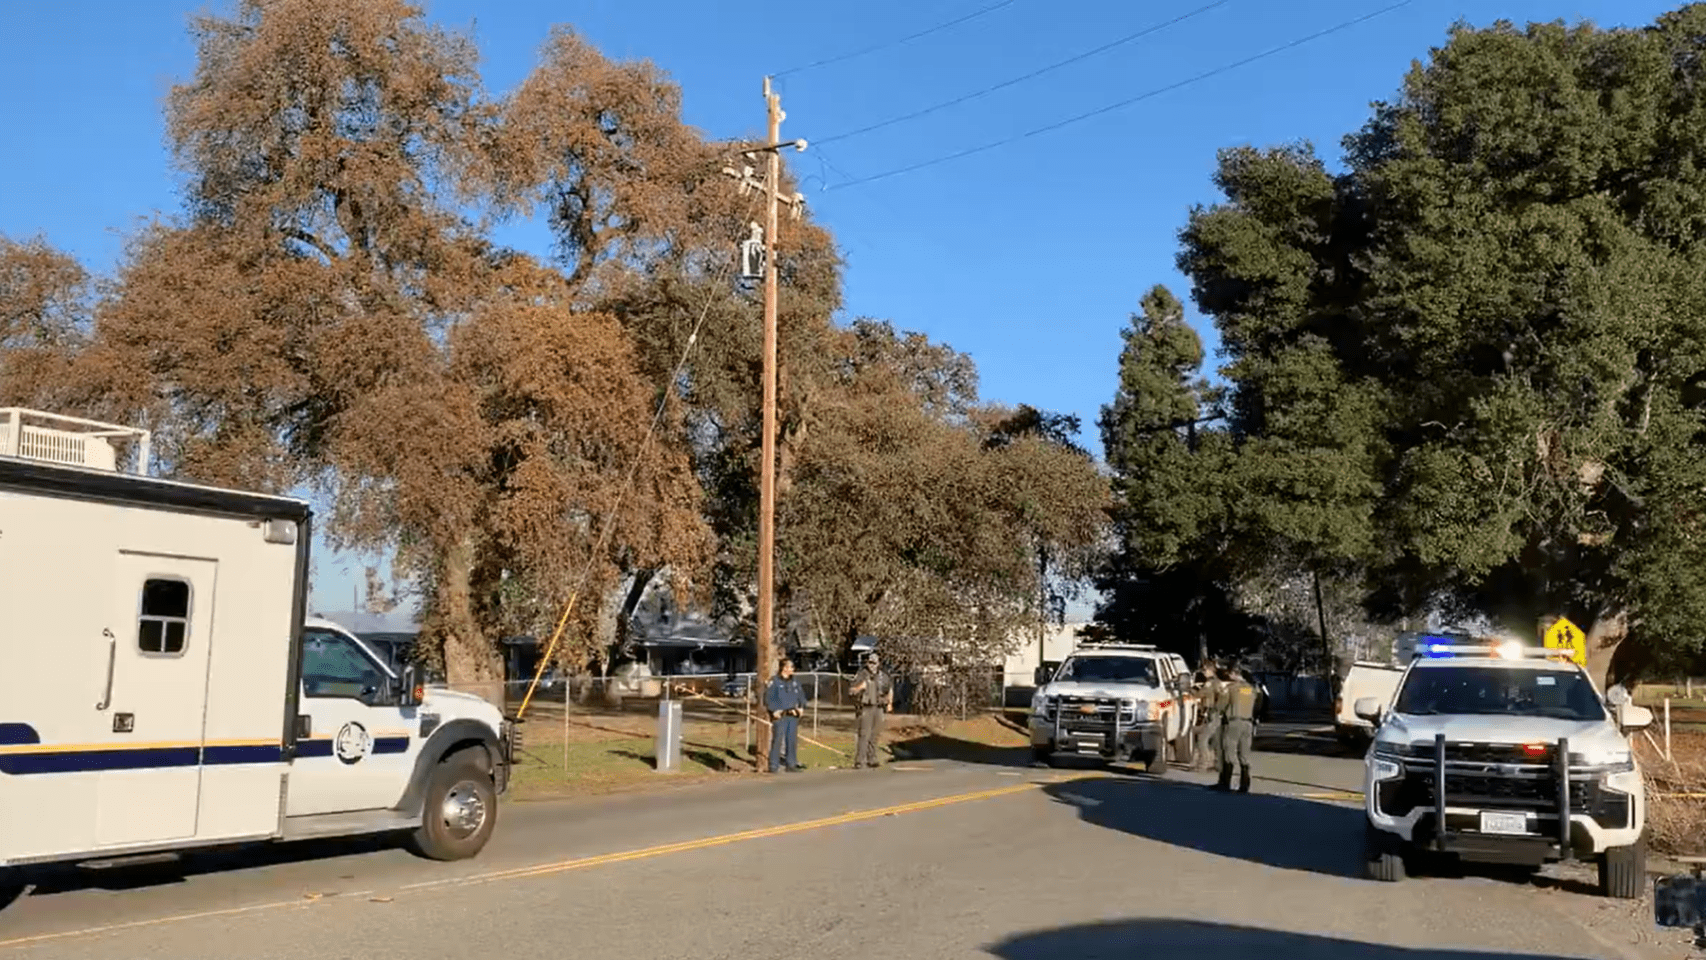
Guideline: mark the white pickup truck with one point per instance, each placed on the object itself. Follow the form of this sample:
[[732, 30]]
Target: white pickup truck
[[1366, 679], [1116, 702]]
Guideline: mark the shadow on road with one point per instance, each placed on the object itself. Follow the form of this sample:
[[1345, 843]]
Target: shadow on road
[[49, 881], [1208, 941], [1277, 831]]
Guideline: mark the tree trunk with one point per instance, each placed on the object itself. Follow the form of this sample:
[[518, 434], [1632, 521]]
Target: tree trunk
[[1603, 639], [470, 663]]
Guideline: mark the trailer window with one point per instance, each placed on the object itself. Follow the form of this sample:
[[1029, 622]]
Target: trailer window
[[163, 626]]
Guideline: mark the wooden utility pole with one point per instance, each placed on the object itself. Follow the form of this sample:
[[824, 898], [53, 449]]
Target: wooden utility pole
[[764, 645]]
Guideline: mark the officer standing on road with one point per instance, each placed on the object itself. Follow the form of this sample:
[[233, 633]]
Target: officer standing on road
[[1238, 729], [1211, 701], [786, 702], [874, 693]]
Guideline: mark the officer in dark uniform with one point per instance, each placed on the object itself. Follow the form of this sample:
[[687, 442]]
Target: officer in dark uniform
[[786, 701], [1238, 728]]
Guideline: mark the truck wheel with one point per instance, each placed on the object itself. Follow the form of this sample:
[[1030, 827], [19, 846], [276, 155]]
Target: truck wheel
[[1623, 872], [12, 887], [1383, 856], [1183, 749], [1043, 754], [1156, 765], [460, 812]]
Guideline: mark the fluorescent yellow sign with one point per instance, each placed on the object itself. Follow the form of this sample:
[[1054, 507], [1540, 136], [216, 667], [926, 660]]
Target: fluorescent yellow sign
[[1564, 635]]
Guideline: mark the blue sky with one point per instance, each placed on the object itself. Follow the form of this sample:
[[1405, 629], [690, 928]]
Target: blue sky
[[1030, 257]]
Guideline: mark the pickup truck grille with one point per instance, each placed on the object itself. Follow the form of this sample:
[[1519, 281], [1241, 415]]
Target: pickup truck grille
[[1530, 787], [1092, 712]]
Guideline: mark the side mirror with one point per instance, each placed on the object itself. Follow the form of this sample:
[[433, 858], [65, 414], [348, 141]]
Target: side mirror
[[407, 696], [1368, 708], [1632, 718]]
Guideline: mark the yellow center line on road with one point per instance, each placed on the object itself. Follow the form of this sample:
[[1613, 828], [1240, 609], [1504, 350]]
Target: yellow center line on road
[[646, 853], [538, 870]]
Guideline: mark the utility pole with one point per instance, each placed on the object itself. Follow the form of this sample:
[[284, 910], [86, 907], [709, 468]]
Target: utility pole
[[764, 642], [767, 470]]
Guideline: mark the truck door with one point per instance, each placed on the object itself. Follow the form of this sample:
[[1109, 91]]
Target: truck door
[[147, 739], [360, 748]]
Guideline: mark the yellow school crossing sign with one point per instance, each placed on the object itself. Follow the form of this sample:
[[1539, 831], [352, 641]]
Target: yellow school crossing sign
[[1564, 635]]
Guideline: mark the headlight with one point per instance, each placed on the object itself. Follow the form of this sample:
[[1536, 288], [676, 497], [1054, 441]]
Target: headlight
[[1140, 709], [1385, 769], [1613, 761], [1039, 704], [1388, 750]]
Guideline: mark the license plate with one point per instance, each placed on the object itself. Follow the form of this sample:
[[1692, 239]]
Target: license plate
[[1504, 824]]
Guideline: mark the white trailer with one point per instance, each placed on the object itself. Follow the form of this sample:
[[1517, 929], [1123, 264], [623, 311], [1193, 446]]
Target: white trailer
[[162, 690]]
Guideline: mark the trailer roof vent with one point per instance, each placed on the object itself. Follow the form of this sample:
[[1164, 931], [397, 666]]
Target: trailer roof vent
[[52, 438]]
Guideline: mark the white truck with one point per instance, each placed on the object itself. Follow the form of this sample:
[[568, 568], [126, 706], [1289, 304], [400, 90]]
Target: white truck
[[1120, 702], [1366, 678], [161, 689], [1496, 752]]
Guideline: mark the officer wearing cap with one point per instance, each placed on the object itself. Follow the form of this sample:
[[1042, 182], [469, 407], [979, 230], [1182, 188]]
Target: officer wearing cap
[[873, 691], [1243, 704]]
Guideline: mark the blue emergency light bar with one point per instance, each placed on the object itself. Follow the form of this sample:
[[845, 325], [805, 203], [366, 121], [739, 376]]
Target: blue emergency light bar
[[1506, 650]]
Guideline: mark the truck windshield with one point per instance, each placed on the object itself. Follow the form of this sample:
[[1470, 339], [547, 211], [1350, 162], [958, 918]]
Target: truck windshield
[[1109, 670], [1487, 690]]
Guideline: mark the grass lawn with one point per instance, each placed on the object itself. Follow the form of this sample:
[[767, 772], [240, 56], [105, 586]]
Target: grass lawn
[[594, 754]]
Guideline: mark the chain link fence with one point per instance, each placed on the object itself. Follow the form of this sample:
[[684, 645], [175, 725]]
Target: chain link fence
[[586, 727]]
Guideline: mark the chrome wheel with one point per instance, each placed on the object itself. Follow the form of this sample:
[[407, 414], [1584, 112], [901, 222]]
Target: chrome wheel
[[463, 811]]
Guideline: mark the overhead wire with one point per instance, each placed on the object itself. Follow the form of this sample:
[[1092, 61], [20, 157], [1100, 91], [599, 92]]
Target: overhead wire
[[622, 492], [840, 58], [1119, 105], [1015, 81]]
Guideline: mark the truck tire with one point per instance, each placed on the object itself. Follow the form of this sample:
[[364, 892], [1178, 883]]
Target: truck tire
[[460, 811], [1156, 765], [1183, 749], [1623, 872], [12, 886], [1383, 856], [1042, 754]]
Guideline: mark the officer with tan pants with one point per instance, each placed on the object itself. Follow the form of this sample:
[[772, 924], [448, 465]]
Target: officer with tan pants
[[1238, 729], [1211, 700], [874, 693]]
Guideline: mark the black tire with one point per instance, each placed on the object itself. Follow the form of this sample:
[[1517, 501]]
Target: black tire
[[1156, 765], [1043, 754], [460, 790], [1623, 872], [1383, 856], [12, 887], [1184, 749]]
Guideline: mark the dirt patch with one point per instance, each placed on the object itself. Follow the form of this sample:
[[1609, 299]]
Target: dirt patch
[[1676, 794]]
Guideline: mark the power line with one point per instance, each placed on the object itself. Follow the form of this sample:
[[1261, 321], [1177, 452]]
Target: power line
[[895, 43], [1076, 58], [1110, 108]]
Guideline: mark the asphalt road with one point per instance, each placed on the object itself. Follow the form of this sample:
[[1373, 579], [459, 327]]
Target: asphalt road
[[918, 860]]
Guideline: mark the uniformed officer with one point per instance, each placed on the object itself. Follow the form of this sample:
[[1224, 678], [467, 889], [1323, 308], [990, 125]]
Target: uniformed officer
[[1211, 700], [1238, 729], [786, 701], [874, 693]]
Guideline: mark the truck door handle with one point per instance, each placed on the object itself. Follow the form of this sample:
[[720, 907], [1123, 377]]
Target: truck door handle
[[112, 659]]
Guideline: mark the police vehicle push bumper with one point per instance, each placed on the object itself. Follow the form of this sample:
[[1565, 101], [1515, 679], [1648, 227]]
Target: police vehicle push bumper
[[1503, 803], [1107, 728]]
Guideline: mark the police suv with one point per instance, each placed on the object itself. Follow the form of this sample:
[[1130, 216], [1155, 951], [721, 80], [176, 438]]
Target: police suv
[[1121, 702], [1498, 753]]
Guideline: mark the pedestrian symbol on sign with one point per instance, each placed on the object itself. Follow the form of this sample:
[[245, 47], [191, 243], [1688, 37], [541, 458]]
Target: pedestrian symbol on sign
[[1564, 635]]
